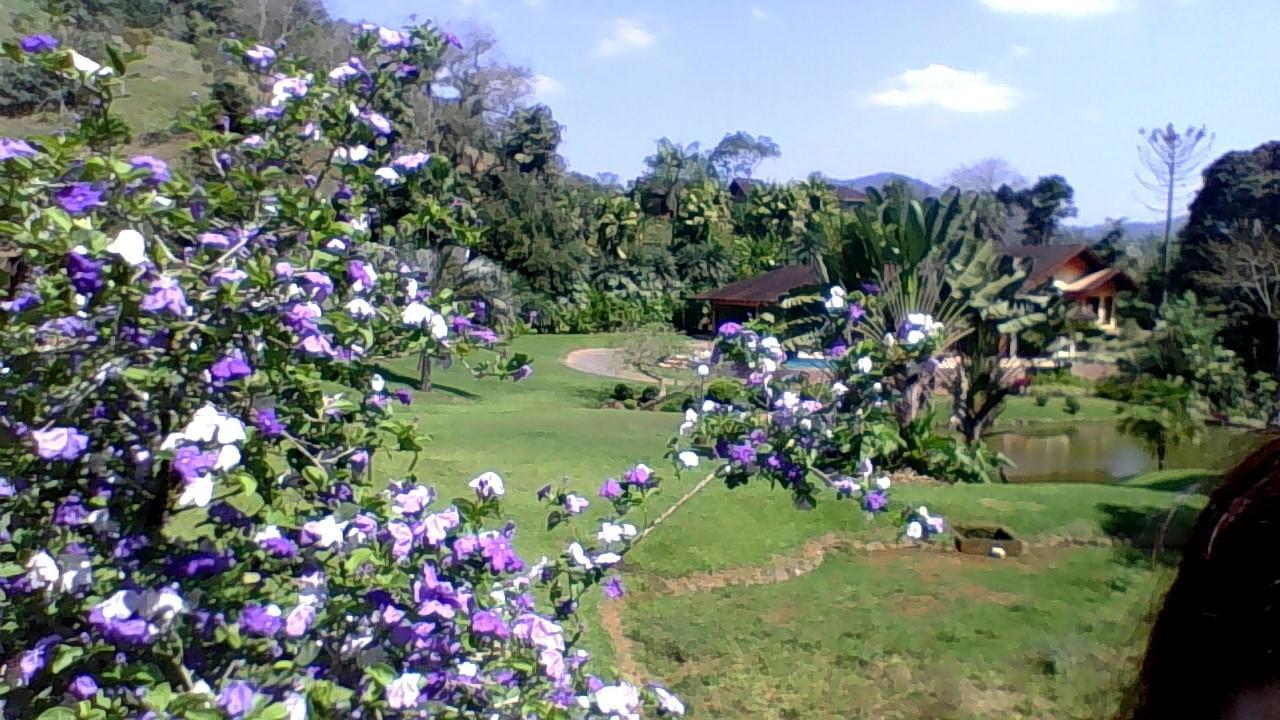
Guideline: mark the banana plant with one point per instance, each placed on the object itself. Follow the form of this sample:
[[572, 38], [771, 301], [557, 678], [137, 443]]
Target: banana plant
[[617, 225]]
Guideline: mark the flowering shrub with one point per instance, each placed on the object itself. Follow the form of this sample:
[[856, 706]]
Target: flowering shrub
[[190, 529], [793, 430]]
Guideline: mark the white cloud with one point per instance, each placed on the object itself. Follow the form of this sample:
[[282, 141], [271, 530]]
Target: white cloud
[[1060, 8], [1018, 50], [759, 15], [624, 35], [949, 88], [545, 86]]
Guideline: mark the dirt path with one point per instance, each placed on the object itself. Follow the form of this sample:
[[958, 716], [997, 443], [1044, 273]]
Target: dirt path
[[611, 622], [604, 362]]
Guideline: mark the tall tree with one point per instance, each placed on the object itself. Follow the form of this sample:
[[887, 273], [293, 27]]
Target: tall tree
[[670, 168], [1243, 266], [1168, 159], [531, 143], [739, 154], [986, 175], [1042, 206]]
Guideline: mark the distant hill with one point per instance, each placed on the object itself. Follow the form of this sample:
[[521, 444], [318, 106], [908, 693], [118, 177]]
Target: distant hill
[[1133, 230], [880, 179]]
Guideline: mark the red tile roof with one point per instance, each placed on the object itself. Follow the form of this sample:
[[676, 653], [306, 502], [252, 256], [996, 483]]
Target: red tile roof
[[763, 289]]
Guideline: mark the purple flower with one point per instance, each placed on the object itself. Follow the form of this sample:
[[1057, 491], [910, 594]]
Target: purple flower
[[730, 329], [85, 273], [38, 43], [190, 463], [638, 475], [11, 148], [404, 396], [497, 549], [299, 620], [870, 288], [236, 698], [742, 454], [201, 564], [60, 443], [856, 312], [412, 161], [258, 620], [213, 240], [34, 659], [228, 275], [362, 275], [389, 39], [402, 539], [521, 373], [158, 168], [78, 197], [489, 624], [83, 687], [380, 124], [320, 285], [613, 587], [875, 501], [229, 368], [70, 512], [23, 301], [267, 423], [610, 490], [359, 460], [451, 39], [166, 294], [260, 56]]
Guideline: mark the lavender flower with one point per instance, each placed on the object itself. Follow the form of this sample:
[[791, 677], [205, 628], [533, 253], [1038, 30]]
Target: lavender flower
[[159, 169], [260, 56], [236, 698], [11, 148], [613, 587], [78, 197], [166, 294], [610, 489], [83, 687], [38, 43], [60, 443]]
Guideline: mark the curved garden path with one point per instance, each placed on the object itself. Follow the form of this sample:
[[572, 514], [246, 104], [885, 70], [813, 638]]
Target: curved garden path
[[604, 362]]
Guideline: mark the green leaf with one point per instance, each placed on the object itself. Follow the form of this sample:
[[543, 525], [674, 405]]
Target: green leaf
[[381, 673], [57, 713], [64, 656], [274, 711], [159, 697], [59, 218]]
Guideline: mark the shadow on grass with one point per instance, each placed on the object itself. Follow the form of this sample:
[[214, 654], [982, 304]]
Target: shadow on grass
[[414, 383], [1154, 534]]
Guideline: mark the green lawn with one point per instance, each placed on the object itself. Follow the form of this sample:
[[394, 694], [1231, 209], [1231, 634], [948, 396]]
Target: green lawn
[[891, 634]]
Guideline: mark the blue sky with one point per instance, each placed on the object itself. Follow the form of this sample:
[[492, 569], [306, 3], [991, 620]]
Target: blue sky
[[914, 86]]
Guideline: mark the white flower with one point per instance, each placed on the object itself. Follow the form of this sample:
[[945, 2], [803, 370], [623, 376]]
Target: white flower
[[328, 532], [864, 364], [403, 692], [621, 701], [101, 522], [130, 246], [377, 383], [840, 389], [703, 370], [360, 309], [668, 703], [439, 328], [789, 400], [415, 313], [198, 492], [163, 605], [768, 365], [688, 458], [877, 388], [42, 570], [915, 337], [609, 533], [608, 558], [387, 175], [296, 707], [354, 154], [270, 532], [691, 415], [119, 606], [836, 301], [228, 457], [579, 556], [865, 468], [411, 289], [87, 66], [771, 344], [468, 669], [915, 530], [488, 485], [883, 482], [709, 406]]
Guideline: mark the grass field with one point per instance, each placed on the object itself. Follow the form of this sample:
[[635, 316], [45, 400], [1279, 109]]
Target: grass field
[[864, 634]]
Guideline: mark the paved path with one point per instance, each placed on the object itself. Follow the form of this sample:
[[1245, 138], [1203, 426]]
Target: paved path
[[605, 362]]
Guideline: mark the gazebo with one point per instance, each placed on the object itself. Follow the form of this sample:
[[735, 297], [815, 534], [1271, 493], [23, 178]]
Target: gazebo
[[742, 300]]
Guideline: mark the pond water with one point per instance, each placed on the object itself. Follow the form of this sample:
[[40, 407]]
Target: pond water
[[1094, 452]]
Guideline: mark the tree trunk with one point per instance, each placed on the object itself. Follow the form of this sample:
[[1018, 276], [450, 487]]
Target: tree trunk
[[1275, 418], [1160, 453], [1168, 228], [424, 372]]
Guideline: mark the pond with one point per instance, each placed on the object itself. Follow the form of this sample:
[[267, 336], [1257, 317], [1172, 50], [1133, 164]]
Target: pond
[[1094, 452]]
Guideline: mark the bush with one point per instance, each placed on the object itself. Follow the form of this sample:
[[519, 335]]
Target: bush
[[623, 392], [724, 390], [1115, 387], [677, 402], [1042, 399], [649, 394], [1071, 405], [630, 404]]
